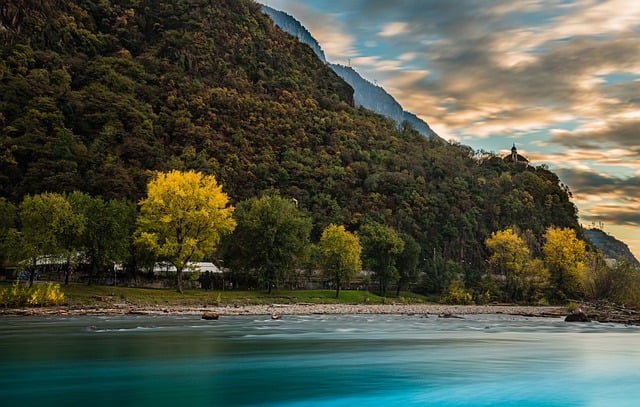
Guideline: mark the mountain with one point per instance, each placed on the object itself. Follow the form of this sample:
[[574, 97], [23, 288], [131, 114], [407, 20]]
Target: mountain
[[611, 247], [366, 94], [292, 26], [96, 96]]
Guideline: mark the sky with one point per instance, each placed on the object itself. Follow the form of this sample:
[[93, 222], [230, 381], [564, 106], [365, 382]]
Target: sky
[[559, 78]]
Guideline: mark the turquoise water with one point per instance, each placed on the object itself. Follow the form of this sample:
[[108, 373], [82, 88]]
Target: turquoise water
[[317, 360]]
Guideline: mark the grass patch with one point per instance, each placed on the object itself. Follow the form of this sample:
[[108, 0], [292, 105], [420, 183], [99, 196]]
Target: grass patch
[[82, 295]]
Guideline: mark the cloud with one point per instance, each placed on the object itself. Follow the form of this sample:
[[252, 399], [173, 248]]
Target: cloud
[[614, 161], [393, 29], [616, 214], [618, 132], [603, 197], [517, 56]]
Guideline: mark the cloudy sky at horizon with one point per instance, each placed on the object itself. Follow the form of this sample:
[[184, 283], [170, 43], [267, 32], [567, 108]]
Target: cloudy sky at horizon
[[559, 78]]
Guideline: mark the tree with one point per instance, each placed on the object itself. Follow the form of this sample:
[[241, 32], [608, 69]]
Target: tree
[[183, 218], [407, 262], [107, 237], [381, 248], [271, 237], [564, 256], [8, 218], [509, 258], [339, 255], [535, 278], [46, 219]]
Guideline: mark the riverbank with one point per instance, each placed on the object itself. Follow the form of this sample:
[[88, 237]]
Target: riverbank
[[590, 314], [278, 310]]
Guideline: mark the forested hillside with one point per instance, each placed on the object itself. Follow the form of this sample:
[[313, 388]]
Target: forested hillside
[[94, 94]]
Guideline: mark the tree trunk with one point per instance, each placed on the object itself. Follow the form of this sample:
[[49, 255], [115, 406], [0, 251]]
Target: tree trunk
[[32, 273], [179, 275], [67, 272], [93, 273], [398, 291], [337, 287]]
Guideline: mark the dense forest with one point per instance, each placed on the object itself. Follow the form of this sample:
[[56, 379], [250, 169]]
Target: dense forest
[[96, 95]]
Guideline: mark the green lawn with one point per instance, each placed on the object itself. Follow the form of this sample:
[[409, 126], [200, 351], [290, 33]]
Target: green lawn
[[100, 295], [96, 295]]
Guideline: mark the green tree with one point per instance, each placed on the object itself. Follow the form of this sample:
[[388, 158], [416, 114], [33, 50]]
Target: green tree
[[381, 248], [564, 256], [271, 237], [45, 220], [183, 218], [107, 238], [407, 262], [71, 240], [536, 279], [8, 223], [339, 255]]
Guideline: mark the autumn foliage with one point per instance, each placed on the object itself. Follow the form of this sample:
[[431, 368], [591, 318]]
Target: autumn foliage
[[183, 218]]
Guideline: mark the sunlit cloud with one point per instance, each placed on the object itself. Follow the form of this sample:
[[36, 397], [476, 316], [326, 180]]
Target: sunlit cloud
[[599, 134], [602, 18], [588, 158], [393, 29], [408, 56], [615, 213]]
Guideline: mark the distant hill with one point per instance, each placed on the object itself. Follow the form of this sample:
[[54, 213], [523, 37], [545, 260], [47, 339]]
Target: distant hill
[[611, 247], [366, 94]]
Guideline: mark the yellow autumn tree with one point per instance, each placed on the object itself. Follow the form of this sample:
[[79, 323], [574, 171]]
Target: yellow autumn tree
[[523, 277], [564, 256], [339, 255], [183, 217], [509, 258]]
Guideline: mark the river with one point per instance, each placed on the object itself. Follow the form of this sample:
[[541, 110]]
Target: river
[[317, 360]]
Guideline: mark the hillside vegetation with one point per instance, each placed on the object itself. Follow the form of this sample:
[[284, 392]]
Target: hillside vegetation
[[95, 95]]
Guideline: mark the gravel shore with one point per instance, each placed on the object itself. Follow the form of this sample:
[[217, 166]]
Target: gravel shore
[[297, 309]]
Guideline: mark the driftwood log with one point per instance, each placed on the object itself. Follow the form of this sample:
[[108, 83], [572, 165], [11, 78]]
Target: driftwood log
[[604, 311]]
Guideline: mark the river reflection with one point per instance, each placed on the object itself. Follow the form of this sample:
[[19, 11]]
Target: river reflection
[[317, 360]]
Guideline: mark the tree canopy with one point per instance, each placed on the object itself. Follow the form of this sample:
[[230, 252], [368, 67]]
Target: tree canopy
[[382, 247], [339, 255], [564, 256], [271, 238], [48, 225], [183, 218]]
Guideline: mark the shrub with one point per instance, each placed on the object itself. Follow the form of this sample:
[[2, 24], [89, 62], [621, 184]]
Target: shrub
[[482, 298], [456, 294], [14, 296], [20, 295]]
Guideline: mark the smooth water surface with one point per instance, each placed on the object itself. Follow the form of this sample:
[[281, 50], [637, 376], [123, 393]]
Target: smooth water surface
[[317, 360]]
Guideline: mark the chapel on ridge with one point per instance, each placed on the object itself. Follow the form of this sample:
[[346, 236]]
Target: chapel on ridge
[[516, 158]]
